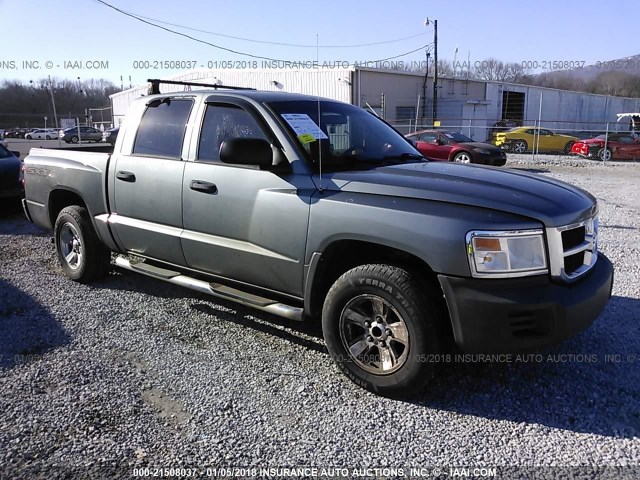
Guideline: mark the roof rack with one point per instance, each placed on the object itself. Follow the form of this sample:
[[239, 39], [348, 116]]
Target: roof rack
[[154, 85]]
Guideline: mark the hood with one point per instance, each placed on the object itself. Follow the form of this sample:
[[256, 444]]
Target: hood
[[486, 146], [553, 202]]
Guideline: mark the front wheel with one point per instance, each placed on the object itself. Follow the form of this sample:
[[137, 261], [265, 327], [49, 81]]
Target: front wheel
[[462, 157], [80, 252], [74, 139], [605, 154], [379, 329]]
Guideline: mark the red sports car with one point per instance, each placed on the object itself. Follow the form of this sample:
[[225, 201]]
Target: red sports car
[[455, 147], [619, 146]]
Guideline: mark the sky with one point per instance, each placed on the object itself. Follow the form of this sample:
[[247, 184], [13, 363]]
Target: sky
[[85, 39]]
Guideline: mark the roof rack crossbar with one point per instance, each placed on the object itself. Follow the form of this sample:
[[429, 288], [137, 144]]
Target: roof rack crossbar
[[154, 85]]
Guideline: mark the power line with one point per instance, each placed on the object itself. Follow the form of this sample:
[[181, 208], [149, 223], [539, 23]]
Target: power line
[[140, 19], [266, 42]]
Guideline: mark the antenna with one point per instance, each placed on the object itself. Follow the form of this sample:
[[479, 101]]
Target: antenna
[[319, 118]]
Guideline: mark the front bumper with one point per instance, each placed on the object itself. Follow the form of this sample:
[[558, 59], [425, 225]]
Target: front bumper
[[495, 159], [519, 315]]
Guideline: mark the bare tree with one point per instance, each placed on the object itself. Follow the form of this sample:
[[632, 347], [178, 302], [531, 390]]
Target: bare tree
[[492, 69]]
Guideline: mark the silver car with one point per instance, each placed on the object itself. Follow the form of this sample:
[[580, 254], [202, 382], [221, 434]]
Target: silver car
[[81, 134]]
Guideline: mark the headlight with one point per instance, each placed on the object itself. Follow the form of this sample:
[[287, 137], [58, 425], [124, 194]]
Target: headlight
[[506, 254]]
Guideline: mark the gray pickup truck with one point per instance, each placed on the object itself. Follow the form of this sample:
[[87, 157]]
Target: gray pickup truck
[[314, 209]]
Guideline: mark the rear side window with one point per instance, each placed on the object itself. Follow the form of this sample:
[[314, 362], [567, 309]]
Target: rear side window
[[428, 137], [222, 122], [162, 128]]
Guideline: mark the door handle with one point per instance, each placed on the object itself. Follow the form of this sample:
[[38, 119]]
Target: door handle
[[205, 187], [126, 176]]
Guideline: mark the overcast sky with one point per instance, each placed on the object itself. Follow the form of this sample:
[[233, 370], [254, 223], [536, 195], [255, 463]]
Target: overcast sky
[[59, 37]]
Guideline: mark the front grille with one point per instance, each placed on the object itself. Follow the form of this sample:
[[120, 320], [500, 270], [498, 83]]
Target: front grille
[[572, 238], [573, 249]]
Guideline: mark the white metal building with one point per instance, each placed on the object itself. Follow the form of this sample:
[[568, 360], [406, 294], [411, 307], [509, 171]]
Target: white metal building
[[406, 101]]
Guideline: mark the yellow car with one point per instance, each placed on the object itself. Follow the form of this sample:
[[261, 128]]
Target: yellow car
[[522, 139]]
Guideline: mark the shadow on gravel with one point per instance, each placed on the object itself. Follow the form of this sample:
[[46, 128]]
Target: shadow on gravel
[[588, 384], [244, 316], [531, 170], [27, 330]]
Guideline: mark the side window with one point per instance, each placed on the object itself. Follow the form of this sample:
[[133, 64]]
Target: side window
[[428, 137], [531, 132], [162, 128], [222, 122], [625, 140]]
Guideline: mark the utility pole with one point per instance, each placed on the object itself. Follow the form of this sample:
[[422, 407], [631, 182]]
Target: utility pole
[[53, 102], [424, 91], [435, 70]]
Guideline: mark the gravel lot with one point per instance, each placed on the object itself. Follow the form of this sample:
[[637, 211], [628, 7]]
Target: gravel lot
[[132, 372]]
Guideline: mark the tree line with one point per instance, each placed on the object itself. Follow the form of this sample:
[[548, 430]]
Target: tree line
[[26, 104], [607, 82]]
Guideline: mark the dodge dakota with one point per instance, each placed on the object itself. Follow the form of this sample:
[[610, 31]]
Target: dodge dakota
[[317, 210]]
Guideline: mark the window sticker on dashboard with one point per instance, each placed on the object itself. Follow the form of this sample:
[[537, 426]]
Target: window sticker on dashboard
[[306, 129]]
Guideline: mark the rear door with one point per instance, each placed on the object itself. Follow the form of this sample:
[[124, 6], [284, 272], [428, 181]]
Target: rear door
[[241, 222], [147, 207]]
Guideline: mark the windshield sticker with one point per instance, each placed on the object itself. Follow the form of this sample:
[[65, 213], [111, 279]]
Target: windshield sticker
[[306, 138], [306, 129]]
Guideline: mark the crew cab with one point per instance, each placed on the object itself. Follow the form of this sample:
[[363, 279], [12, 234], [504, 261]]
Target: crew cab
[[316, 210]]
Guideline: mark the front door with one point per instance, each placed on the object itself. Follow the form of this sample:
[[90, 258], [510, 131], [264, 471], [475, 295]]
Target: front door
[[241, 222]]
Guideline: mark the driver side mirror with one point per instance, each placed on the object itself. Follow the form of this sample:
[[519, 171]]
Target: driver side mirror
[[247, 151]]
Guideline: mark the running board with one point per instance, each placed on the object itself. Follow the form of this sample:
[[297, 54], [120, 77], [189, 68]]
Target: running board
[[215, 289]]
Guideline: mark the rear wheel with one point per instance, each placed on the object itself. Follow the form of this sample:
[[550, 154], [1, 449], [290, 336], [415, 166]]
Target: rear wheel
[[567, 147], [80, 252], [605, 154], [379, 328], [48, 137], [462, 157], [519, 146]]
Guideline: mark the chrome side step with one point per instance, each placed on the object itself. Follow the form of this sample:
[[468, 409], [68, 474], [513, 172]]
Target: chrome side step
[[215, 289]]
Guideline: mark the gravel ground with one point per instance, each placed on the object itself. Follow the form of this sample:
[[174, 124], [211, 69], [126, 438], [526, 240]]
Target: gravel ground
[[132, 372]]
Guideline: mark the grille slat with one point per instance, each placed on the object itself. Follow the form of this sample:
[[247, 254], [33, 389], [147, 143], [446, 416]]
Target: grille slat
[[574, 249]]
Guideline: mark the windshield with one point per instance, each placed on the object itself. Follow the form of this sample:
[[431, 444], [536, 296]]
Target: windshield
[[348, 137], [457, 137]]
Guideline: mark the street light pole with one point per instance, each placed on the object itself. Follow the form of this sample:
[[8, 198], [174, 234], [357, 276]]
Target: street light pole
[[435, 70]]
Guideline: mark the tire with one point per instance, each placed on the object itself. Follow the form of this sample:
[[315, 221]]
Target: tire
[[462, 157], [28, 137], [48, 137], [605, 155], [81, 254], [74, 139], [567, 148], [519, 146], [380, 329]]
